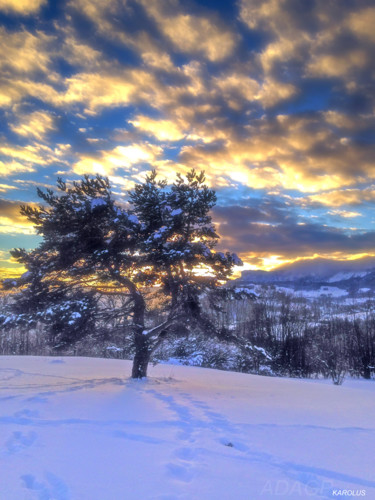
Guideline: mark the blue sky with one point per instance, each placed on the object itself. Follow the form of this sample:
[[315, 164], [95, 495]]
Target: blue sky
[[274, 99]]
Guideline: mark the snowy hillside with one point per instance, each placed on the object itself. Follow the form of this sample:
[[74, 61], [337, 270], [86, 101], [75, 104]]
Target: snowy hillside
[[316, 278], [79, 429]]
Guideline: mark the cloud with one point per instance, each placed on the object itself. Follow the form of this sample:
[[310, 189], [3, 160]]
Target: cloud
[[195, 34], [342, 65], [30, 154], [12, 91], [151, 53], [79, 53], [32, 157], [273, 91], [338, 198], [100, 13], [23, 7], [345, 121], [362, 23], [6, 187], [278, 96], [127, 86], [36, 124], [120, 158], [328, 40], [298, 152], [100, 90], [25, 52], [236, 87], [244, 230], [189, 33], [344, 213], [11, 221], [162, 130], [14, 167]]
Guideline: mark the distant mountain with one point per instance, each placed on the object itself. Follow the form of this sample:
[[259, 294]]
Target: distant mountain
[[313, 270], [351, 275]]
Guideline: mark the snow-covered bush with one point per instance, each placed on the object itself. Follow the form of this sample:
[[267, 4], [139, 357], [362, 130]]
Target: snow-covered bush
[[199, 350]]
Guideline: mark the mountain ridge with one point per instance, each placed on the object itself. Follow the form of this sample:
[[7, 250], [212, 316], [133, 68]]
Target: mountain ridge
[[314, 270]]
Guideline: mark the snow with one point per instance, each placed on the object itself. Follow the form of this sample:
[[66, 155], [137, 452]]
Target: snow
[[114, 348], [342, 276], [79, 429], [236, 260], [176, 211], [97, 202], [329, 291], [133, 219]]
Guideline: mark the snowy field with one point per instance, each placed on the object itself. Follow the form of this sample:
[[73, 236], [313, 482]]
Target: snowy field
[[80, 429]]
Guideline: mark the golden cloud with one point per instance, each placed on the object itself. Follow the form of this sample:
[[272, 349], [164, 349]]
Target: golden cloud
[[338, 198], [344, 213], [36, 125], [24, 52], [30, 154], [290, 152], [105, 90], [340, 65], [194, 34], [163, 130], [11, 221], [314, 41], [98, 10], [8, 226], [342, 120], [25, 7], [191, 33], [236, 87], [11, 272], [362, 23], [108, 162], [273, 91], [14, 90], [14, 167], [81, 54], [6, 187], [268, 261]]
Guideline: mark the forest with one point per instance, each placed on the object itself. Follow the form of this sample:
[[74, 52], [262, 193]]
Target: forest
[[280, 335]]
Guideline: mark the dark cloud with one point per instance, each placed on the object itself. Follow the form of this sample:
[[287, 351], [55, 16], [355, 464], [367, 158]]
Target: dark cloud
[[255, 231], [11, 210]]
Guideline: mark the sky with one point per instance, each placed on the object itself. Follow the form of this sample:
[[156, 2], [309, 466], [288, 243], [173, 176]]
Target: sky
[[273, 99]]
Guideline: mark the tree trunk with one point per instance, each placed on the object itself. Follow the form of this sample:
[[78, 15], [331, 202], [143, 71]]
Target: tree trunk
[[141, 357]]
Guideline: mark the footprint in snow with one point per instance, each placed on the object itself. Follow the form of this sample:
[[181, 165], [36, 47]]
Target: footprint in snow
[[20, 441], [186, 454], [180, 472], [53, 488]]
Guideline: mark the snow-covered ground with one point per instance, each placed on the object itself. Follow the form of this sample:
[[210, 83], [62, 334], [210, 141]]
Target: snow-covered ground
[[80, 429]]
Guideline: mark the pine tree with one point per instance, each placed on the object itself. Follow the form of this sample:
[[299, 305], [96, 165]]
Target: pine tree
[[162, 240]]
